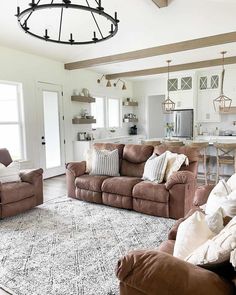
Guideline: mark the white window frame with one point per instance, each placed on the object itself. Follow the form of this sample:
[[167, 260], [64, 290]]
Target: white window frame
[[119, 114], [20, 122], [106, 108]]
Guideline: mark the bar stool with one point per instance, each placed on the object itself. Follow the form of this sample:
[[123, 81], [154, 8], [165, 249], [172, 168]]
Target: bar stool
[[171, 143], [151, 142], [203, 157], [226, 155]]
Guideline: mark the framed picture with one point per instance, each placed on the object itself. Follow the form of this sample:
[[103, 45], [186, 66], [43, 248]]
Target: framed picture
[[81, 136]]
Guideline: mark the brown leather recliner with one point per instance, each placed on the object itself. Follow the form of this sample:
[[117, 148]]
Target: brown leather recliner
[[17, 197], [157, 272], [171, 199]]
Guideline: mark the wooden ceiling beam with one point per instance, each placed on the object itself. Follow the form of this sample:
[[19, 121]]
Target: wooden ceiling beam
[[175, 68], [161, 3], [155, 51]]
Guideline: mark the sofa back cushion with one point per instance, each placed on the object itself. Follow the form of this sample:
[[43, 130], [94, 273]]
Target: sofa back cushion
[[134, 159], [192, 154]]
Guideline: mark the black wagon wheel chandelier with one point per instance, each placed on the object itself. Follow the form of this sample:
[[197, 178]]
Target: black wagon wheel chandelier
[[26, 15]]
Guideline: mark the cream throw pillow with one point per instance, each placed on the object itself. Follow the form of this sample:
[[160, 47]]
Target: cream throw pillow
[[217, 249], [174, 163], [155, 167], [192, 233], [105, 162], [219, 198], [233, 258], [10, 173]]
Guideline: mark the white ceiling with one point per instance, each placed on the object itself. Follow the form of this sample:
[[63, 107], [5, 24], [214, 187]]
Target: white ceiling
[[142, 25]]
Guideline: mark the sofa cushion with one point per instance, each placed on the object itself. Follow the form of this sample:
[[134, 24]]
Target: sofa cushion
[[120, 185], [134, 159], [151, 191], [15, 191], [90, 182]]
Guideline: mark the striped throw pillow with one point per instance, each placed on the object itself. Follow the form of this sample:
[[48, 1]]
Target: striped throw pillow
[[105, 163], [155, 167]]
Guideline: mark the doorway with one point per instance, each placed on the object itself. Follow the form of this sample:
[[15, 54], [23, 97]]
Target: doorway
[[155, 116], [52, 154]]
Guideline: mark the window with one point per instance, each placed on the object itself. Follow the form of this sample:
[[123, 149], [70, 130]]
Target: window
[[11, 135], [186, 83], [106, 111], [97, 110], [113, 112]]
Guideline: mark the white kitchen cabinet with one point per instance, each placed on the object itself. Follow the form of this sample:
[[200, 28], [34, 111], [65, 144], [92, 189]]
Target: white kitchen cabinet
[[183, 99], [205, 108]]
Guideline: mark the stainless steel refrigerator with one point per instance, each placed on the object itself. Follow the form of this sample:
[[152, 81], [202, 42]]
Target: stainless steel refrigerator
[[182, 122]]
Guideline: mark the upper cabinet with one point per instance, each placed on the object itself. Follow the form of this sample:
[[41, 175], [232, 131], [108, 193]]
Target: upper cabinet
[[208, 88], [181, 91]]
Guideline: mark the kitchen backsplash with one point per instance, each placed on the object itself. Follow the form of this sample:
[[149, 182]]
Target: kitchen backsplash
[[228, 122]]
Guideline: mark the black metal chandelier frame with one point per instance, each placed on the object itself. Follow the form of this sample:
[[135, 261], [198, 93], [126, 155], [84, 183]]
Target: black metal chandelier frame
[[66, 4]]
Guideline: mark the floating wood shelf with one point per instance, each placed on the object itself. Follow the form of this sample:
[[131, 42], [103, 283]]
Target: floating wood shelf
[[81, 98], [130, 103], [232, 110], [83, 121], [127, 120]]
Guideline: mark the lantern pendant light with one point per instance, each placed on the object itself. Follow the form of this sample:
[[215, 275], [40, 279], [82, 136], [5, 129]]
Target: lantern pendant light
[[168, 105], [223, 102]]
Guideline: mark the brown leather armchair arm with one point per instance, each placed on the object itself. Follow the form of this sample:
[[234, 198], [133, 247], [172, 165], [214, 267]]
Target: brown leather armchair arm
[[202, 193], [158, 273], [30, 175]]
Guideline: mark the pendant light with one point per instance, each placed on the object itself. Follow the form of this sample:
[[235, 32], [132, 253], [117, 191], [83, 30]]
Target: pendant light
[[168, 105], [223, 102]]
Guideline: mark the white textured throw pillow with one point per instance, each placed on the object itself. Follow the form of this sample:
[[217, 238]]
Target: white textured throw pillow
[[215, 221], [155, 167], [192, 233], [174, 163], [217, 197], [217, 249], [232, 182], [9, 173], [233, 258], [105, 163]]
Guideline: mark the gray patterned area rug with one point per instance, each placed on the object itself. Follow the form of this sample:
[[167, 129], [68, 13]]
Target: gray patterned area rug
[[67, 247]]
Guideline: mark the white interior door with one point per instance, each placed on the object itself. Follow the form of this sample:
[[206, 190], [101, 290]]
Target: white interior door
[[52, 157]]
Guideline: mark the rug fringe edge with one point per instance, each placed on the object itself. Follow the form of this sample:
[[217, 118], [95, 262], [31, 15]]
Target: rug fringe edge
[[6, 289]]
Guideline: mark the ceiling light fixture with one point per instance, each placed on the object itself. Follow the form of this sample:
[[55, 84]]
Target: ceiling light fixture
[[66, 7], [168, 105], [124, 85], [223, 102]]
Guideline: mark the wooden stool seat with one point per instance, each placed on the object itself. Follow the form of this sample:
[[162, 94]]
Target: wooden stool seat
[[203, 157], [173, 143], [226, 155]]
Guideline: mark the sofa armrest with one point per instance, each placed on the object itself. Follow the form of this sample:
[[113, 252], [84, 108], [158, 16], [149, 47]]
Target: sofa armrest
[[202, 193], [154, 272], [76, 168], [180, 177], [73, 170], [31, 176]]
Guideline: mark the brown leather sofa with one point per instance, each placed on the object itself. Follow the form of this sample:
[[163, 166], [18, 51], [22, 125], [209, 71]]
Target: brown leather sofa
[[171, 199], [154, 272], [17, 197]]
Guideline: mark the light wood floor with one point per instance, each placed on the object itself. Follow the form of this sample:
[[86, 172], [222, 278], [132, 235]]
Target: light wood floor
[[53, 188]]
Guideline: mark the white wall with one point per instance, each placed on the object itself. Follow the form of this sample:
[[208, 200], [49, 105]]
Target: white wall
[[29, 69]]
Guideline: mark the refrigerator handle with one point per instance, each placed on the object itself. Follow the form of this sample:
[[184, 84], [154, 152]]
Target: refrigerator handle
[[175, 123], [178, 123]]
